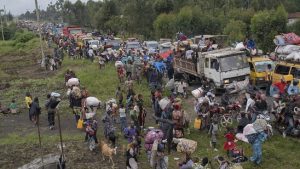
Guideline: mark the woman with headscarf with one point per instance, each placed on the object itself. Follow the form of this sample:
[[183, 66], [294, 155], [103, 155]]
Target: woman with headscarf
[[109, 129], [35, 110]]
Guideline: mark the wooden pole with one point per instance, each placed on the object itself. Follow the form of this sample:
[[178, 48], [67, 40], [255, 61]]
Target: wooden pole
[[40, 139], [40, 30], [1, 25]]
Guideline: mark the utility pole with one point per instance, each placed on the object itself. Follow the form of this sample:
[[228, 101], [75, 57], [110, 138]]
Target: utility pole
[[1, 25], [40, 30], [5, 16]]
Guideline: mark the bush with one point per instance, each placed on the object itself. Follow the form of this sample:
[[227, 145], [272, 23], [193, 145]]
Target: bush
[[9, 31], [23, 37], [295, 27]]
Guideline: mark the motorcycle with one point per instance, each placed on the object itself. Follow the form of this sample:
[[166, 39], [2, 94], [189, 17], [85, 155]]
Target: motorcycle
[[234, 109], [217, 112]]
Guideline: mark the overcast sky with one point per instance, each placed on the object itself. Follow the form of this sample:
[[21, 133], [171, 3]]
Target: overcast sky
[[17, 7]]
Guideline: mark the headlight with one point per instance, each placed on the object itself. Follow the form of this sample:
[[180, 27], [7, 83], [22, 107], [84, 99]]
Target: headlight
[[226, 81], [260, 78]]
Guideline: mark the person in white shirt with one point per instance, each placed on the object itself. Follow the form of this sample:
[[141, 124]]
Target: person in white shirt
[[181, 88], [91, 54], [250, 103]]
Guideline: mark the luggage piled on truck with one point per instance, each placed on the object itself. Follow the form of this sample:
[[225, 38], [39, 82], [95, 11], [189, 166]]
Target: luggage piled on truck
[[288, 47]]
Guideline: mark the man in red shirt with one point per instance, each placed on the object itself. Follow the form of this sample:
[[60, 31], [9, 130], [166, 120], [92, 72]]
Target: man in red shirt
[[281, 86]]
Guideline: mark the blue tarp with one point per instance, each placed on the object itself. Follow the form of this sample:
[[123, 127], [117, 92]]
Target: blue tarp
[[159, 66]]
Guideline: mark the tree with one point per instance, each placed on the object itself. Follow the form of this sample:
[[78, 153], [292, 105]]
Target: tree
[[265, 25], [295, 27], [164, 25], [163, 6], [235, 30], [184, 20]]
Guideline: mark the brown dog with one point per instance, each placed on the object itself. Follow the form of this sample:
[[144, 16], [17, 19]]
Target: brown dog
[[107, 151]]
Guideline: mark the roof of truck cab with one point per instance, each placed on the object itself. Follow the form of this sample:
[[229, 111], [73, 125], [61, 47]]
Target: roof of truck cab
[[222, 53], [258, 59], [209, 36], [289, 63]]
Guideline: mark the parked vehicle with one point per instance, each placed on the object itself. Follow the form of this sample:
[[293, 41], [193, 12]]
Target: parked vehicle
[[113, 43], [164, 40], [70, 31], [219, 67], [151, 46], [288, 70], [94, 44], [164, 47], [133, 45], [258, 66]]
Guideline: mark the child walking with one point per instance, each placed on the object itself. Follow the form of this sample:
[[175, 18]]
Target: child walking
[[213, 131], [123, 119]]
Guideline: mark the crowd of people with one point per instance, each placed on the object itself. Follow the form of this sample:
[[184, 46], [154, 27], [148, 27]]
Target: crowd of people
[[126, 111]]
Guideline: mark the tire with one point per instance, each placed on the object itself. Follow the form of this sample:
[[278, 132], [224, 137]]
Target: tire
[[226, 120]]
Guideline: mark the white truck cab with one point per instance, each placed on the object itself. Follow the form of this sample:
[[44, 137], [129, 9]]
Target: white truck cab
[[221, 67]]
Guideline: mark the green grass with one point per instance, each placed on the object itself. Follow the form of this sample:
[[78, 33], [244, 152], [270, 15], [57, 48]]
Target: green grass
[[32, 138], [10, 47]]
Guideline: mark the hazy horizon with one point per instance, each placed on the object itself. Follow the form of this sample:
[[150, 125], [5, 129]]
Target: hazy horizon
[[17, 7]]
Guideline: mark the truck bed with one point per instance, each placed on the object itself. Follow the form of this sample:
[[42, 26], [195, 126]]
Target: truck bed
[[185, 66]]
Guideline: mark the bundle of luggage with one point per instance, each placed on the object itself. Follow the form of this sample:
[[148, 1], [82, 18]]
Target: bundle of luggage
[[288, 46], [185, 145], [151, 136], [287, 39]]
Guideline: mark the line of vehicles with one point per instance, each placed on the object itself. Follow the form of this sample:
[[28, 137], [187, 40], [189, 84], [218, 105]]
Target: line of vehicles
[[221, 66], [95, 41]]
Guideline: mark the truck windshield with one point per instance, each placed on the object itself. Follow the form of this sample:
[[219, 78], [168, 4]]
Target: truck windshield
[[295, 72], [133, 46], [233, 63], [94, 42], [75, 31], [152, 45], [283, 70], [262, 66]]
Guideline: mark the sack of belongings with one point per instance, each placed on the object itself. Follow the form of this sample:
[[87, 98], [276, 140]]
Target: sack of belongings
[[92, 101], [151, 136], [291, 38], [185, 145], [76, 92], [73, 82], [197, 92], [163, 103], [119, 64]]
